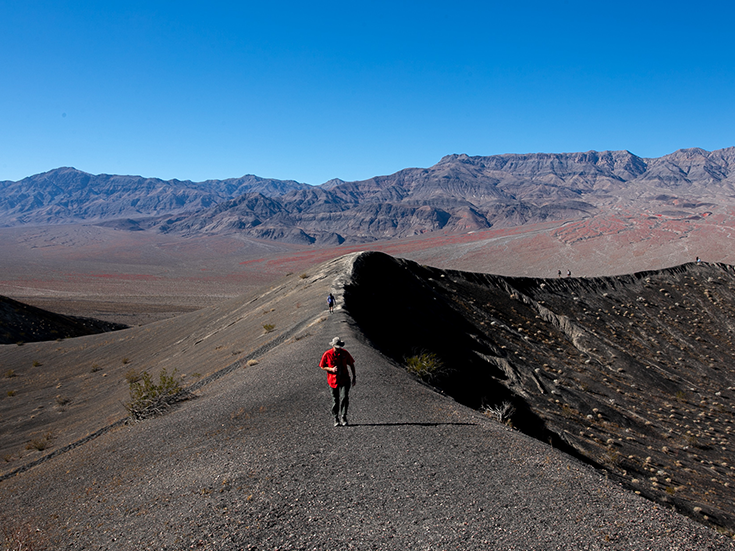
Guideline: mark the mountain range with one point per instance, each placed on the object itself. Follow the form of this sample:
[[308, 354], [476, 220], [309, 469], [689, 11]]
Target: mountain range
[[458, 194]]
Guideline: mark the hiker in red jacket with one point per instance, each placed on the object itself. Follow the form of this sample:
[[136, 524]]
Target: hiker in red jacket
[[335, 361]]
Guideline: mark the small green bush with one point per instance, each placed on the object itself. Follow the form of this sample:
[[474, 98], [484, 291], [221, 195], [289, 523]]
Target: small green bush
[[268, 327], [148, 398], [9, 374], [426, 365], [36, 363], [132, 376]]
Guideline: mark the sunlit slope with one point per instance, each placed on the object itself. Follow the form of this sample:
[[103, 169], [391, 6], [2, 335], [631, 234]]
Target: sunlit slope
[[64, 391]]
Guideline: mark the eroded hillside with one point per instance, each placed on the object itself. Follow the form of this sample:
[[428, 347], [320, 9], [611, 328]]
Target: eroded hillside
[[633, 373]]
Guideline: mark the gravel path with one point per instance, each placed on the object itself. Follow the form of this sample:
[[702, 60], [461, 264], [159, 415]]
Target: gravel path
[[255, 463]]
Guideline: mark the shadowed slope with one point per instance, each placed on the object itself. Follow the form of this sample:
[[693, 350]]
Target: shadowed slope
[[633, 372], [23, 323]]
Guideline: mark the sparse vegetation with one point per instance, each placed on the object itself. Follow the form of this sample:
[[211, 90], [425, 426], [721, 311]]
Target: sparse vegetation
[[268, 327], [304, 276], [426, 365], [148, 398], [40, 443], [36, 363], [11, 393], [125, 361], [95, 368], [132, 376], [62, 401], [502, 412], [9, 374]]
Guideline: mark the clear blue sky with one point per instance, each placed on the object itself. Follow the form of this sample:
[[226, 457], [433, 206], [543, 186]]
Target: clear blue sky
[[311, 91]]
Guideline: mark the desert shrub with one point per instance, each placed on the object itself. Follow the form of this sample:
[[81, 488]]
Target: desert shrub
[[268, 327], [36, 363], [95, 368], [9, 374], [132, 376], [125, 361], [304, 276], [148, 398], [11, 393], [502, 412], [40, 443], [62, 401], [425, 365]]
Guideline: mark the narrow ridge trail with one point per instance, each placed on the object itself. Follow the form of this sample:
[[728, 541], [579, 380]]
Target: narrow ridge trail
[[255, 463]]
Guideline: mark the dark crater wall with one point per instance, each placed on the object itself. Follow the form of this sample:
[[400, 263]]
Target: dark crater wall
[[21, 323], [633, 373]]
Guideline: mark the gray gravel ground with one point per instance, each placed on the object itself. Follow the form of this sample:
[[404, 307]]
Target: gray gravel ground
[[255, 463]]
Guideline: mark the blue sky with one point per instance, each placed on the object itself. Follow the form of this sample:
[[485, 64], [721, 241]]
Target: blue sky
[[314, 91]]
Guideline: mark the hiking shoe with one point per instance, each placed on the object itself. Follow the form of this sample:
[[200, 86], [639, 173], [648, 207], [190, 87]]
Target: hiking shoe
[[336, 423], [344, 422]]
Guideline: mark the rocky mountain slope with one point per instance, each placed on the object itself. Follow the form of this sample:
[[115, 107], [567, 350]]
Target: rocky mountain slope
[[68, 195], [458, 194], [631, 374]]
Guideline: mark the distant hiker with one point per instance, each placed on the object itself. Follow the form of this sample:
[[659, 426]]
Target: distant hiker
[[569, 273], [335, 361], [559, 273], [330, 302], [699, 260]]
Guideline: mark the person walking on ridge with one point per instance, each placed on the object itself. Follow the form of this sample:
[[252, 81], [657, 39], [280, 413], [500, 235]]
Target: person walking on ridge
[[330, 302], [335, 362]]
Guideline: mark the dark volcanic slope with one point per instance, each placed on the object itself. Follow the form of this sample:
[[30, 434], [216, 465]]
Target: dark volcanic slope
[[21, 323], [633, 373]]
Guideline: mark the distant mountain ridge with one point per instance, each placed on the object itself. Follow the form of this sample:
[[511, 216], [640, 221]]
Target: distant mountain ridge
[[68, 195], [458, 194]]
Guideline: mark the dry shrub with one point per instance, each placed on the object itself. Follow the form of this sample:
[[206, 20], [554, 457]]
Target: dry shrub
[[148, 398]]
